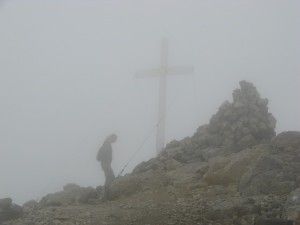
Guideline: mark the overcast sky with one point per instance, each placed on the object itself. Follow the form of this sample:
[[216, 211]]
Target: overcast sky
[[67, 79]]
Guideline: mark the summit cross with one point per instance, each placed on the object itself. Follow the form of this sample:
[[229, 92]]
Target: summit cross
[[162, 72]]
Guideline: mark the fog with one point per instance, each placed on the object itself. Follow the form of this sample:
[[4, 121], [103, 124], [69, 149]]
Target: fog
[[67, 79]]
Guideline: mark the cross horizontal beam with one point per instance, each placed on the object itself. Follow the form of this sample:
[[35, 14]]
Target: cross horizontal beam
[[172, 70]]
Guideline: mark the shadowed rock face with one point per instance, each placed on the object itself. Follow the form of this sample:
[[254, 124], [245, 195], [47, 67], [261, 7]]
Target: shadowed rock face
[[277, 172]]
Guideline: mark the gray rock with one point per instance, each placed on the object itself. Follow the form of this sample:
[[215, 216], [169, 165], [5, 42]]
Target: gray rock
[[72, 193], [172, 164], [292, 205], [71, 187], [229, 169], [30, 206], [287, 141], [272, 221], [277, 172], [151, 164], [209, 153], [5, 203], [87, 194], [14, 211]]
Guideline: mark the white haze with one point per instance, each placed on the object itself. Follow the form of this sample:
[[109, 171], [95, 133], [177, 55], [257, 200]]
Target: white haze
[[67, 79]]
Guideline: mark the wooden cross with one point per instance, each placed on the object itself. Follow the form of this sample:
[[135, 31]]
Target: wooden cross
[[162, 72]]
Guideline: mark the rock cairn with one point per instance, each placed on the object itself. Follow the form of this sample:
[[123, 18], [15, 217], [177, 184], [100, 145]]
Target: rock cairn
[[243, 123], [237, 125]]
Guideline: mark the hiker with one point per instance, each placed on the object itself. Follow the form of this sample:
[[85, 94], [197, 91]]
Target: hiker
[[105, 157]]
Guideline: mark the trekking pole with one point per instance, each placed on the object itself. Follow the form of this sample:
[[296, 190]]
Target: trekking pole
[[138, 149], [153, 129]]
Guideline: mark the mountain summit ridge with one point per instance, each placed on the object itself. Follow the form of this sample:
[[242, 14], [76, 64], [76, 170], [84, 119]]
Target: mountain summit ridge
[[233, 170]]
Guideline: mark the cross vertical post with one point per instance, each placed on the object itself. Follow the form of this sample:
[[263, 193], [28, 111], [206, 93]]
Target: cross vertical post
[[161, 125], [162, 72]]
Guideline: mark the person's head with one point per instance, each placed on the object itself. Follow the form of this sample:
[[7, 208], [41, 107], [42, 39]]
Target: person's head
[[112, 138]]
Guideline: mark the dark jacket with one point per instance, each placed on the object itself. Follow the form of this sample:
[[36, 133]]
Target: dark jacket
[[105, 153]]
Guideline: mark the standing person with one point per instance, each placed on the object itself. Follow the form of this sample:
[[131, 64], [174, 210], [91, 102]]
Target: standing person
[[105, 157]]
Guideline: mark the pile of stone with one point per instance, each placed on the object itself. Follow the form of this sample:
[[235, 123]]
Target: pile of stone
[[214, 151], [243, 123], [9, 210]]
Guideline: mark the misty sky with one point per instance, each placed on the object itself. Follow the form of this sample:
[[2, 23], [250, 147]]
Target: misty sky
[[67, 79]]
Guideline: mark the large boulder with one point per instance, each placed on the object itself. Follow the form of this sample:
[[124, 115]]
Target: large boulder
[[182, 151], [229, 169], [151, 164], [5, 203], [9, 210], [278, 172], [286, 141]]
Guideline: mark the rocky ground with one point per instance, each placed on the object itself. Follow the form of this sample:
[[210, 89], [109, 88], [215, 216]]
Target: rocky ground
[[234, 170]]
